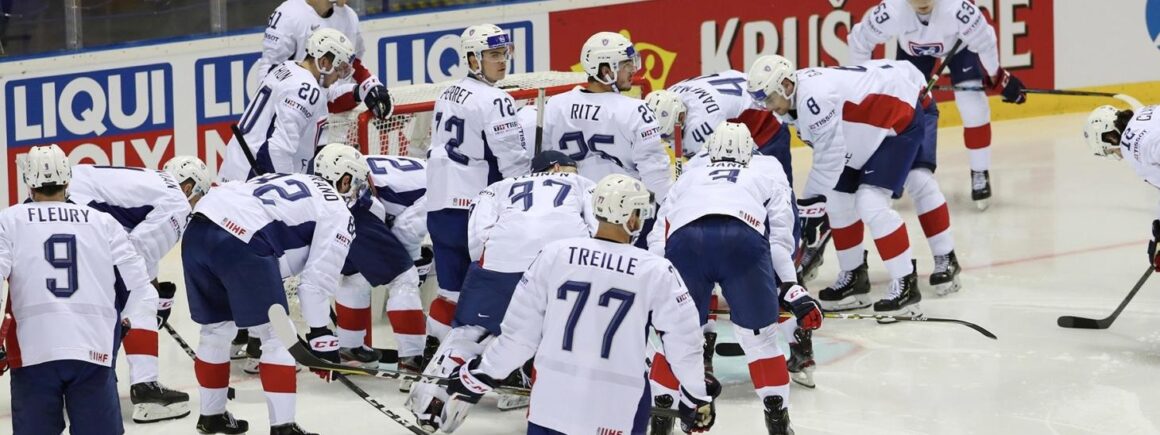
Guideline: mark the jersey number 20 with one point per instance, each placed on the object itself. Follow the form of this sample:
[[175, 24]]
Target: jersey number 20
[[582, 289]]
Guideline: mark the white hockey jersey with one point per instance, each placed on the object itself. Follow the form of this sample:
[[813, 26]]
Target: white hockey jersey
[[949, 21], [476, 140], [709, 101], [148, 203], [608, 133], [1140, 145], [514, 218], [280, 125], [845, 112], [758, 194], [291, 25], [582, 309], [58, 259], [301, 219], [401, 188]]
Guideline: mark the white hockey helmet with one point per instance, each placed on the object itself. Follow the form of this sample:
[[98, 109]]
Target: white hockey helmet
[[189, 168], [617, 196], [46, 165], [338, 159], [731, 142], [668, 109], [1102, 120], [607, 48], [479, 38], [766, 75], [326, 41]]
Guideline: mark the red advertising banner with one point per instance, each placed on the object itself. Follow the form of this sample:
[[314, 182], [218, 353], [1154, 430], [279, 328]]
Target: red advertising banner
[[679, 39]]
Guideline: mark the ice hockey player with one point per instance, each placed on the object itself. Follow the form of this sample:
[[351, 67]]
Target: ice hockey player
[[866, 126], [1130, 134], [280, 125], [242, 240], [604, 131], [926, 31], [741, 208], [477, 141], [288, 31], [510, 222], [153, 207], [59, 260], [390, 224], [700, 104], [582, 309]]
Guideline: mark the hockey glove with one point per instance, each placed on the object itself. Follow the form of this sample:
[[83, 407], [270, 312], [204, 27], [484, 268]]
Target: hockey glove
[[165, 292], [3, 361], [1152, 257], [423, 264], [376, 97], [812, 213], [469, 386], [699, 415], [1010, 86], [805, 308], [324, 345]]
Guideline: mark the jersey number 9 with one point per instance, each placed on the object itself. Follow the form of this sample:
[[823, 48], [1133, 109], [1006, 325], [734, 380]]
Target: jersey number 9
[[60, 250]]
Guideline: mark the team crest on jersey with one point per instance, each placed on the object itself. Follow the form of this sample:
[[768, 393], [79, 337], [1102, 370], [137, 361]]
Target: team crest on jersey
[[932, 49]]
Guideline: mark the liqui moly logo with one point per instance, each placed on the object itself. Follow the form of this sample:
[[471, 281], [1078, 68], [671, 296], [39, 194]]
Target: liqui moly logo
[[223, 87], [434, 56]]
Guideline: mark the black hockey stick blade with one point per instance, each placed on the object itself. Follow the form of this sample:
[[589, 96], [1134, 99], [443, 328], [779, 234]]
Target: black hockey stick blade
[[378, 405], [1105, 323], [729, 349]]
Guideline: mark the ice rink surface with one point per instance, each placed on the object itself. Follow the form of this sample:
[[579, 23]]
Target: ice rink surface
[[1066, 234]]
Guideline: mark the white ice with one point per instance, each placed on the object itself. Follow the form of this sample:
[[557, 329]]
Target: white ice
[[1065, 234]]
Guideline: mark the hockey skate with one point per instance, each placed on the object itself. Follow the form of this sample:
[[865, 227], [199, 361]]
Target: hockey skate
[[801, 359], [981, 189], [709, 349], [238, 345], [289, 429], [813, 256], [945, 278], [776, 416], [850, 291], [520, 378], [659, 425], [431, 417], [361, 356], [153, 402], [903, 297], [410, 365], [221, 423]]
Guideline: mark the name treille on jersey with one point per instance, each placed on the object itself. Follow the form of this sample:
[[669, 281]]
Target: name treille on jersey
[[456, 94], [586, 111], [57, 214], [593, 258]]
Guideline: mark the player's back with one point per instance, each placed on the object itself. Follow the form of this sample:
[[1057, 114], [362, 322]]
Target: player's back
[[722, 188], [1140, 146], [61, 280], [709, 100], [529, 212], [128, 194], [857, 87], [287, 98], [598, 131], [399, 181], [474, 125], [591, 358], [278, 211]]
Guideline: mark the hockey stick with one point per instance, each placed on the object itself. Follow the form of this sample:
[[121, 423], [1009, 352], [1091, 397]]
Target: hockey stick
[[284, 330], [1134, 103], [541, 94], [188, 350], [246, 149], [678, 149], [1104, 323], [734, 349], [378, 405], [946, 63]]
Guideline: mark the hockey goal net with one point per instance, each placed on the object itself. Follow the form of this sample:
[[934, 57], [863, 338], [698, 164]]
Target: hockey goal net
[[408, 131]]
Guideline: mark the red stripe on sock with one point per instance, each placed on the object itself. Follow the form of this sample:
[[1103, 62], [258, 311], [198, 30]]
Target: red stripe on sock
[[353, 319], [141, 342], [210, 375], [893, 244], [977, 137], [278, 378], [442, 310], [769, 372], [847, 237], [411, 322], [936, 221], [662, 374], [713, 303]]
